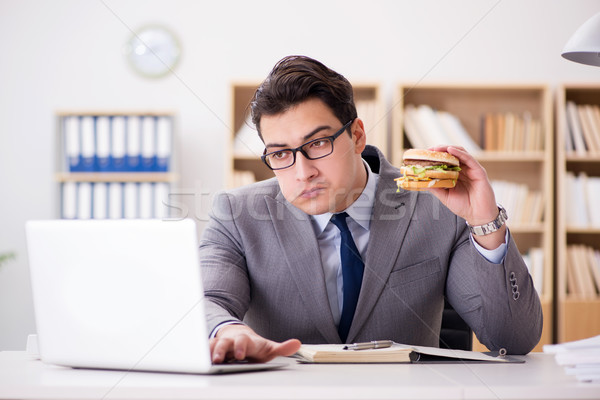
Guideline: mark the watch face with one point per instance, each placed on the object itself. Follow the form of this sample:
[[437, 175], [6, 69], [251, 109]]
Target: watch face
[[153, 51]]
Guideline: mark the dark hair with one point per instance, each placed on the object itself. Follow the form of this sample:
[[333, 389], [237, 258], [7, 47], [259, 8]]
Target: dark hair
[[295, 79]]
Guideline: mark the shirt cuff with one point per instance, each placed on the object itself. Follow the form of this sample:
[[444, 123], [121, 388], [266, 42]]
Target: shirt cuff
[[495, 256], [222, 324]]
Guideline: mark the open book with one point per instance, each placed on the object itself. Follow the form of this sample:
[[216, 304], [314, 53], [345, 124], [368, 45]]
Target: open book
[[397, 353]]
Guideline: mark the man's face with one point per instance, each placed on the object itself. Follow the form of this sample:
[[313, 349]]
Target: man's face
[[327, 184]]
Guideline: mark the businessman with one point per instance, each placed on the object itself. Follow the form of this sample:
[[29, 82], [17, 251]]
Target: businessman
[[329, 252]]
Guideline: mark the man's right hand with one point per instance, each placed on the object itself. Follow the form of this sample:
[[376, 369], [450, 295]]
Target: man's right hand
[[240, 342]]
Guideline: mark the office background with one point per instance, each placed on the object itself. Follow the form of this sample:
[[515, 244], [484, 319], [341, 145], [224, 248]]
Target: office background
[[68, 55]]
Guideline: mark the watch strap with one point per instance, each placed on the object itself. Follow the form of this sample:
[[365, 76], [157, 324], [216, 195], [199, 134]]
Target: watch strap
[[490, 227]]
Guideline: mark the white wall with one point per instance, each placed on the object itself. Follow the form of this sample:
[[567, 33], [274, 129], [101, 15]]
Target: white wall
[[67, 54]]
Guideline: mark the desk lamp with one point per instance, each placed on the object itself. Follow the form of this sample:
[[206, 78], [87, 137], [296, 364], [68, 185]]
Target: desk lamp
[[584, 45]]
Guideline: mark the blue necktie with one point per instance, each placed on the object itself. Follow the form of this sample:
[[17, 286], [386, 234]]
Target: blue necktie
[[352, 272]]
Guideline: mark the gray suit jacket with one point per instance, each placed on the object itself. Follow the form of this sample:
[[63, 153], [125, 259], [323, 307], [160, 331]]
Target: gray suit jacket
[[261, 264]]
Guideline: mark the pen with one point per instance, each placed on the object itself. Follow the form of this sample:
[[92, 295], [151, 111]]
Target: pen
[[374, 344]]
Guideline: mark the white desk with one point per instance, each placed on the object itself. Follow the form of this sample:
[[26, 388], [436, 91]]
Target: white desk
[[24, 377]]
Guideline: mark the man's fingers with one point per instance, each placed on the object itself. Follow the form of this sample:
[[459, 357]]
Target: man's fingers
[[288, 347], [220, 348], [240, 346], [251, 347]]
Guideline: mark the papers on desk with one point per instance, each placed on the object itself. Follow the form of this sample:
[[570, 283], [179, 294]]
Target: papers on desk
[[580, 358], [397, 353]]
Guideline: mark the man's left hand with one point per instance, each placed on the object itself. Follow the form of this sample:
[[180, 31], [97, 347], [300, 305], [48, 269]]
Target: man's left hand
[[473, 197]]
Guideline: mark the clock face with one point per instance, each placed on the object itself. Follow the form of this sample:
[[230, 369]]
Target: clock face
[[153, 51]]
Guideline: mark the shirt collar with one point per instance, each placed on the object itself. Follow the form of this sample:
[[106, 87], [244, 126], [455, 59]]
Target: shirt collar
[[360, 211]]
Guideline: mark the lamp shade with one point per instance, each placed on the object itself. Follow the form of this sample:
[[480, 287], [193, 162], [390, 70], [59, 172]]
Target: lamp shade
[[584, 45]]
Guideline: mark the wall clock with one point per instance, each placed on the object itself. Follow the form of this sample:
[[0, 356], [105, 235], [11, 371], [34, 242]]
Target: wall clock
[[153, 51]]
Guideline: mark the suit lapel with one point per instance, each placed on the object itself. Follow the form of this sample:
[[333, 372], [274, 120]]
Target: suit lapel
[[392, 213], [300, 250]]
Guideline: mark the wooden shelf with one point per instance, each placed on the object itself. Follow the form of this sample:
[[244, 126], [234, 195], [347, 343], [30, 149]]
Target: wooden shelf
[[114, 113], [578, 316], [515, 156], [116, 177], [590, 158], [102, 194], [470, 103], [584, 231]]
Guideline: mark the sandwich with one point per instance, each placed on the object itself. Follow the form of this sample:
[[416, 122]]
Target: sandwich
[[424, 169]]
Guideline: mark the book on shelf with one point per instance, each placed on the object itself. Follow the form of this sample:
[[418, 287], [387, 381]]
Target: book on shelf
[[511, 132], [588, 130], [397, 353], [523, 205], [581, 196], [583, 271], [583, 129], [426, 127], [573, 287], [534, 259], [593, 258], [366, 110]]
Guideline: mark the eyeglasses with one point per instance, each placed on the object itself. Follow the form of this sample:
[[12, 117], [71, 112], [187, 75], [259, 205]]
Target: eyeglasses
[[312, 150]]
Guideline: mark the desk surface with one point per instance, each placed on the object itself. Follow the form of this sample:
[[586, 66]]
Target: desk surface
[[23, 376]]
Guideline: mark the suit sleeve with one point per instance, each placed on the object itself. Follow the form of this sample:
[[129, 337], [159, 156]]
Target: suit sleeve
[[498, 301], [224, 272]]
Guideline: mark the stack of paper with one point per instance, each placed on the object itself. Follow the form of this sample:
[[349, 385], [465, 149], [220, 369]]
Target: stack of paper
[[580, 358]]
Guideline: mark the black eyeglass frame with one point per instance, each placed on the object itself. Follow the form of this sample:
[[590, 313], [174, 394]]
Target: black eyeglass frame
[[299, 148]]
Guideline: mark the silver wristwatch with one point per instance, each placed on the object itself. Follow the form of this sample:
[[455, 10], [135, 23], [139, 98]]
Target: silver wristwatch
[[490, 227]]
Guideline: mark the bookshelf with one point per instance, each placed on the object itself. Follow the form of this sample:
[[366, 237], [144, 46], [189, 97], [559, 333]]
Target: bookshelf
[[246, 148], [577, 224], [114, 164], [512, 126]]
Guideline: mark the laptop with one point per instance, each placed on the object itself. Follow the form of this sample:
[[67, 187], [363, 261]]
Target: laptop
[[121, 294]]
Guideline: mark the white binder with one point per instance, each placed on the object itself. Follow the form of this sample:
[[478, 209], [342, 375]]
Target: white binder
[[148, 144], [115, 200], [100, 200], [88, 148], [133, 144], [102, 144], [117, 143], [72, 144]]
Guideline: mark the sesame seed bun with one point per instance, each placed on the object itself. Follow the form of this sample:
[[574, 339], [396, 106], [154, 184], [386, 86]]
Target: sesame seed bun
[[429, 155]]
